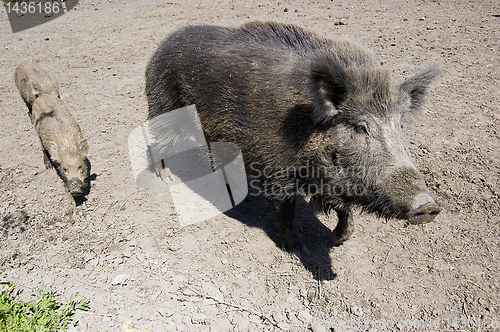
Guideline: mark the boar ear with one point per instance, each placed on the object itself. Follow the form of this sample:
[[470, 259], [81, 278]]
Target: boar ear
[[329, 85], [84, 147], [417, 85]]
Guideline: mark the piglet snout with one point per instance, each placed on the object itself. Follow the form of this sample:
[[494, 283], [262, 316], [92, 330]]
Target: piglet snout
[[75, 186]]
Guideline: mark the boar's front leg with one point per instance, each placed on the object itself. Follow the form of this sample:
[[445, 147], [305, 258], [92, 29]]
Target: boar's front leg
[[46, 159], [344, 226], [285, 211]]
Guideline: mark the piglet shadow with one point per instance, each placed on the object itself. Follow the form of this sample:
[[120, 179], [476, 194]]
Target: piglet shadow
[[254, 211], [80, 199]]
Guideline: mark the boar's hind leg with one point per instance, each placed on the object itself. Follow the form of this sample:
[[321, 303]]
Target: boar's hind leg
[[344, 227], [285, 211]]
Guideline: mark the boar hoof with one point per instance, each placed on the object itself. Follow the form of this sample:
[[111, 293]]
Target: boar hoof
[[294, 246], [46, 160], [301, 251], [339, 236], [423, 214], [344, 227]]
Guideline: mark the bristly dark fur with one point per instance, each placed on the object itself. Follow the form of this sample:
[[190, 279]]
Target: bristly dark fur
[[288, 97]]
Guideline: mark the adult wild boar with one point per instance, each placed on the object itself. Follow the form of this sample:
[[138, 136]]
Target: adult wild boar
[[312, 116]]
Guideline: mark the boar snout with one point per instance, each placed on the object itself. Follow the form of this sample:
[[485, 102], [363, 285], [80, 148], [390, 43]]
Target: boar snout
[[424, 210], [76, 187], [407, 194]]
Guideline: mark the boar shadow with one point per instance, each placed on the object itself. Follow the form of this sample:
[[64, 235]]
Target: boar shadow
[[255, 211]]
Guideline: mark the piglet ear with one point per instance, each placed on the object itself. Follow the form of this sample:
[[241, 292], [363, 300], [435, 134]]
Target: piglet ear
[[418, 85], [329, 87]]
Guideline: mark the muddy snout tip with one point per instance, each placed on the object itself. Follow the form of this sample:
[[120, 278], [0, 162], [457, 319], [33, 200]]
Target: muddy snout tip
[[423, 214], [76, 187]]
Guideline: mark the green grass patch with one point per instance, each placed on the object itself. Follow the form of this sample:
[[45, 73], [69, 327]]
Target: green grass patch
[[44, 314]]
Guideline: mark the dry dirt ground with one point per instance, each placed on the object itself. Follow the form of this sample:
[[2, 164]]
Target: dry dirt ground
[[123, 249]]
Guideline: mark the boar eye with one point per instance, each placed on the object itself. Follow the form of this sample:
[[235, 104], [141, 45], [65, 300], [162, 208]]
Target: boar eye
[[361, 128]]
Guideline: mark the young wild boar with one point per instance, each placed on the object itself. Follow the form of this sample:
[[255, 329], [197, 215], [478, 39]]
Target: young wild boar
[[62, 142], [312, 116]]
